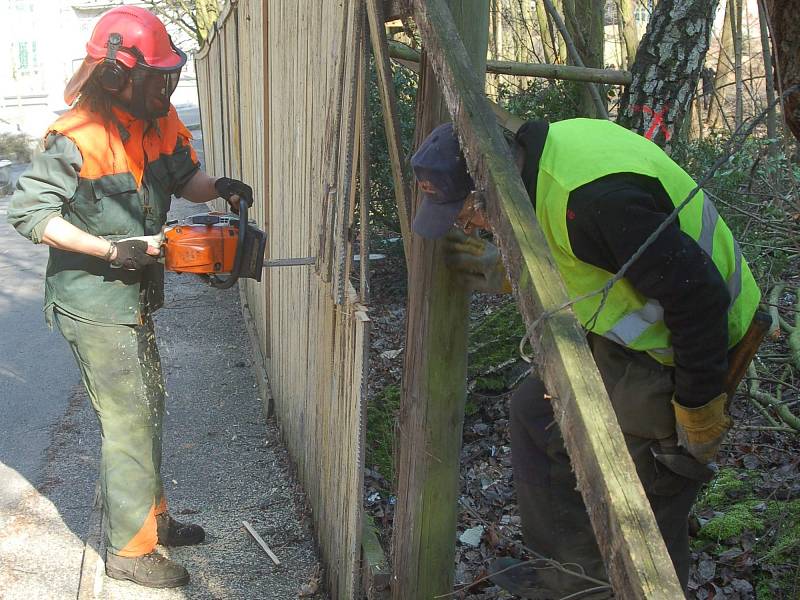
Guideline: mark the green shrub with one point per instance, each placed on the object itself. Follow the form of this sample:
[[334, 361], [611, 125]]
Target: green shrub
[[16, 147], [751, 191], [541, 99], [383, 208], [381, 419]]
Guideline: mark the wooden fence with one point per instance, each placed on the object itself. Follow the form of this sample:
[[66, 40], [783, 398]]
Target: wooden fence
[[281, 99], [282, 94]]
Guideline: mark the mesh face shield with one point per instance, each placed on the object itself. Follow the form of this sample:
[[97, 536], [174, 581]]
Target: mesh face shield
[[171, 82], [152, 89], [153, 86]]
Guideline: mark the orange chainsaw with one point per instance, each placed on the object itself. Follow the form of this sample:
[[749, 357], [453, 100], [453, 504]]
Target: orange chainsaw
[[213, 244]]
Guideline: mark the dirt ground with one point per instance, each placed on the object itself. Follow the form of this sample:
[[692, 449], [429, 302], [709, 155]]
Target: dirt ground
[[744, 525]]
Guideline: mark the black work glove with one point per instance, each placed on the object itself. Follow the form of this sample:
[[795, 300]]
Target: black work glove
[[132, 255], [227, 187]]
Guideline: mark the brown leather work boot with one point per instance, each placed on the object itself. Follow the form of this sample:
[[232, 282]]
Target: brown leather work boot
[[151, 570], [175, 533]]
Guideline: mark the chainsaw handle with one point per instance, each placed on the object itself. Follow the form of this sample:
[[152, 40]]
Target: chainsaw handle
[[233, 277]]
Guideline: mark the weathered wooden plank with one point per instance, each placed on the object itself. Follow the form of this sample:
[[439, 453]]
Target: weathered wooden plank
[[219, 108], [434, 377], [347, 156], [391, 122], [364, 191], [635, 556], [260, 23], [375, 573]]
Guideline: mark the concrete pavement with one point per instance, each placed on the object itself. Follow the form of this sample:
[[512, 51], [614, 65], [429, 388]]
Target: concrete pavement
[[37, 376]]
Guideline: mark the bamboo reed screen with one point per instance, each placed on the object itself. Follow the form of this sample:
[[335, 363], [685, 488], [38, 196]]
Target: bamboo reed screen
[[281, 99]]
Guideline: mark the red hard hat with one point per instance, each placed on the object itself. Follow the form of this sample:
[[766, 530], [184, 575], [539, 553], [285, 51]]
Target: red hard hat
[[144, 39]]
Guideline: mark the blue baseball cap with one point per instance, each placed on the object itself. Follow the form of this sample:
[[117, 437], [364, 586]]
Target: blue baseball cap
[[441, 171]]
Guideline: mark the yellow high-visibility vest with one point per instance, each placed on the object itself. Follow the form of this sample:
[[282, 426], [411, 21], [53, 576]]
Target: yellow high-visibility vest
[[578, 151]]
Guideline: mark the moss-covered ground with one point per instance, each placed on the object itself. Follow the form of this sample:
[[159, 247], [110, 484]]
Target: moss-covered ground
[[737, 519]]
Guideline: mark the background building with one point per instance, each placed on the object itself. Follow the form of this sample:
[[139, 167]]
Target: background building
[[43, 43]]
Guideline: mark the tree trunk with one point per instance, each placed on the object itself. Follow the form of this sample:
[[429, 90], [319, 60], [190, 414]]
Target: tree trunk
[[763, 27], [511, 36], [736, 27], [549, 40], [522, 26], [584, 21], [784, 19], [725, 69], [562, 44], [630, 36], [495, 43], [667, 68]]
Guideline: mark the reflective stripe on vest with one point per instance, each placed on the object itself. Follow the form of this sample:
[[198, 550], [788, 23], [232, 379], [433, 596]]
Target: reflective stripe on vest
[[568, 161], [632, 325]]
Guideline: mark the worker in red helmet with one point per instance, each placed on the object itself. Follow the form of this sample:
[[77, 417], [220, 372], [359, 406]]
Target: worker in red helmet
[[102, 185]]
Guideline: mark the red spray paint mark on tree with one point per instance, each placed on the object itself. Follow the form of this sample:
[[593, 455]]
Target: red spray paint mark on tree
[[657, 122]]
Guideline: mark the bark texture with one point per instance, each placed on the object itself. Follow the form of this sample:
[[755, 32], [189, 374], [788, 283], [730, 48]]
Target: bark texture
[[584, 21], [666, 69], [784, 19], [627, 26], [724, 74]]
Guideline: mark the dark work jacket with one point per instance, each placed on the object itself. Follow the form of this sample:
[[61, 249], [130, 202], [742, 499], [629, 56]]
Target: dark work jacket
[[113, 180], [608, 219]]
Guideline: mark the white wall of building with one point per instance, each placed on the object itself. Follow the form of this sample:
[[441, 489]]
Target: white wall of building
[[43, 42]]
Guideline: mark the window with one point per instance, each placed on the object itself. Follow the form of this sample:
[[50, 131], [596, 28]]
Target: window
[[22, 6], [642, 11], [26, 58]]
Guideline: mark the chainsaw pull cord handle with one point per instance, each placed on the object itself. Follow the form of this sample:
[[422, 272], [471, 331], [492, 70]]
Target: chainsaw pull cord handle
[[224, 284]]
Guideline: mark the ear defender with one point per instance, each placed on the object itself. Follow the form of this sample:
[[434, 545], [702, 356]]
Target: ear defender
[[112, 76]]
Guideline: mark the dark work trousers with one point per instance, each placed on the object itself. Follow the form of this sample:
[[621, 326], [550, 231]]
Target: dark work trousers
[[121, 369], [554, 519]]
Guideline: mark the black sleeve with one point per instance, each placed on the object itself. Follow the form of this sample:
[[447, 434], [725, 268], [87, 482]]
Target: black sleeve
[[607, 221]]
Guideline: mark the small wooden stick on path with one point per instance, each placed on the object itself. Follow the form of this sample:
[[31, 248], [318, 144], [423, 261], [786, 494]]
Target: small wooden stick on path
[[261, 542]]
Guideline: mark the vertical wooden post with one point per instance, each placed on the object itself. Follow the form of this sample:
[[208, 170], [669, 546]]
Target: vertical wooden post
[[434, 380], [635, 556]]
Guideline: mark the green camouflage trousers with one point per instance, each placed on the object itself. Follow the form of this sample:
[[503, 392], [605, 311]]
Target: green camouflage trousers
[[121, 370], [554, 518]]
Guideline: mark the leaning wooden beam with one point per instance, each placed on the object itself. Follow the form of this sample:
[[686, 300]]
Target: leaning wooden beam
[[391, 122], [546, 71], [634, 554], [431, 415]]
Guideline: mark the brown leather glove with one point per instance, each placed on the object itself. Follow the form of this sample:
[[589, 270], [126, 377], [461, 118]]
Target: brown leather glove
[[478, 261], [701, 430]]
